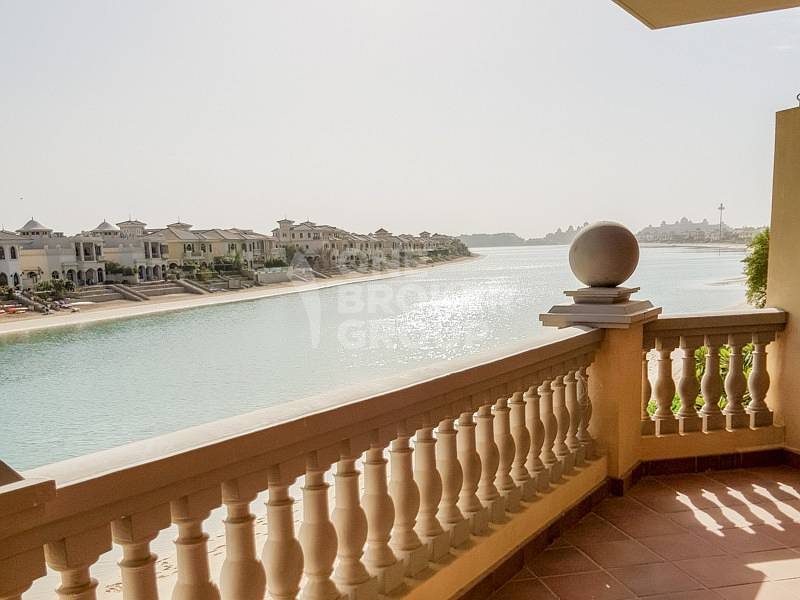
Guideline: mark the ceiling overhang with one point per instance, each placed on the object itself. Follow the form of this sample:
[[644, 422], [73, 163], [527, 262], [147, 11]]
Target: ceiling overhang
[[657, 14]]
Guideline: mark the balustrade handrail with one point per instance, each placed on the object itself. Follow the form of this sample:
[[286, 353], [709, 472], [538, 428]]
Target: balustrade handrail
[[71, 497], [713, 323]]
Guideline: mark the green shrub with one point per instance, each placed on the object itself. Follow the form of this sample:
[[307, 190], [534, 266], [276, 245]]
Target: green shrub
[[755, 267]]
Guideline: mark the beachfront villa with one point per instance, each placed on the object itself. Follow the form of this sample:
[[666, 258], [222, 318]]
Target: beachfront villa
[[328, 246], [48, 255], [128, 245], [10, 251]]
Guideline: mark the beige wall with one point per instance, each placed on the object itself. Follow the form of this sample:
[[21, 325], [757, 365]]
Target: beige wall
[[783, 289]]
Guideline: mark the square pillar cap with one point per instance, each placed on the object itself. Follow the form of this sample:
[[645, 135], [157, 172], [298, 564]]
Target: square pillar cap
[[601, 307]]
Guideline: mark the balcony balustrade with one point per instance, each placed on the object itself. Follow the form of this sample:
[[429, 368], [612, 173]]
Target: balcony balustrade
[[434, 483]]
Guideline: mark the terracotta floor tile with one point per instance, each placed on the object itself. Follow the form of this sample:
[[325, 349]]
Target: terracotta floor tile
[[788, 534], [768, 590], [613, 508], [593, 528], [587, 586], [621, 553], [561, 561], [674, 501], [682, 546], [720, 571], [523, 573], [722, 518], [739, 541], [641, 526], [658, 578], [774, 564], [693, 595], [526, 589]]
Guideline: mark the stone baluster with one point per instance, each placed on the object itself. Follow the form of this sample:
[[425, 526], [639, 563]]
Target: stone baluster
[[564, 456], [468, 500], [506, 450], [648, 425], [711, 385], [760, 414], [450, 515], [736, 384], [72, 557], [688, 387], [585, 402], [428, 527], [379, 558], [138, 565], [282, 554], [490, 459], [575, 409], [664, 389], [351, 576], [522, 447], [552, 464], [188, 513], [317, 534], [405, 495], [535, 427], [242, 575], [19, 571]]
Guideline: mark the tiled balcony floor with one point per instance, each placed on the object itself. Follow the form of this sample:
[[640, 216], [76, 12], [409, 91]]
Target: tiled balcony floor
[[724, 534]]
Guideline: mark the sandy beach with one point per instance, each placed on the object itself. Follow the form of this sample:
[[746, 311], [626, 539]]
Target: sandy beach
[[124, 309]]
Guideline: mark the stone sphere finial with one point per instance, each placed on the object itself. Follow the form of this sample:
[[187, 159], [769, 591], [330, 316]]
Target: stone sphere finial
[[604, 254]]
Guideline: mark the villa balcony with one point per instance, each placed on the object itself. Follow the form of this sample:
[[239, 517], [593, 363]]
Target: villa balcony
[[487, 464]]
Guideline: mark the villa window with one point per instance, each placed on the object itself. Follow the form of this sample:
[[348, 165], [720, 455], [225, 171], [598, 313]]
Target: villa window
[[2, 253], [13, 253]]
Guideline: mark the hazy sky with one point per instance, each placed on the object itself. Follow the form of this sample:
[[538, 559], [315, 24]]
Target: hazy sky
[[449, 115]]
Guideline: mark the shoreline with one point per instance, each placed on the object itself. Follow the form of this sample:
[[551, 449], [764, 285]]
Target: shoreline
[[125, 309], [729, 246]]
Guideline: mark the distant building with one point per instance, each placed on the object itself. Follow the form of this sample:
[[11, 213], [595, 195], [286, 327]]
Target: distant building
[[686, 231], [10, 251]]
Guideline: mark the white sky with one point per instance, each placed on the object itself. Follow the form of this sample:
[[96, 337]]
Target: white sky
[[456, 116]]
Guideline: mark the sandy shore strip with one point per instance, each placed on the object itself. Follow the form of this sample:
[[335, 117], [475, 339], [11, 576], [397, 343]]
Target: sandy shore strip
[[125, 309], [726, 246]]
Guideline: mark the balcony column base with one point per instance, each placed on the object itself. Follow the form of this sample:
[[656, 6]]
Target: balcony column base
[[479, 521], [737, 421], [528, 489], [666, 425], [648, 427], [437, 547], [458, 532], [689, 424], [580, 455], [761, 418], [542, 480], [414, 560], [713, 422], [367, 590], [496, 509], [389, 577], [513, 499]]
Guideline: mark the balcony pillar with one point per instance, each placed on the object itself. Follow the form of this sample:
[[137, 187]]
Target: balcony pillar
[[535, 427], [585, 402], [555, 468], [603, 256], [405, 495], [194, 578], [138, 565], [758, 384], [711, 385], [282, 555], [317, 534], [429, 481], [379, 558], [470, 461], [449, 514], [573, 407], [736, 384], [72, 557], [783, 287], [490, 460], [664, 389], [648, 425], [506, 450], [242, 576], [522, 447], [688, 386]]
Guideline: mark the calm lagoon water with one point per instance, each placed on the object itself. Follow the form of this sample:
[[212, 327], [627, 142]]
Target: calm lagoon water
[[77, 390]]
